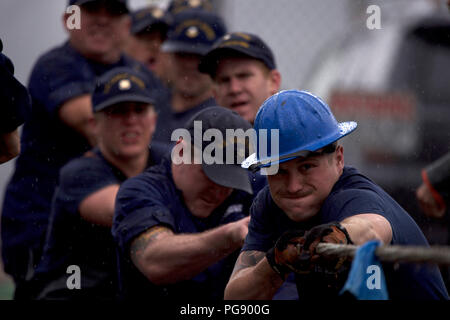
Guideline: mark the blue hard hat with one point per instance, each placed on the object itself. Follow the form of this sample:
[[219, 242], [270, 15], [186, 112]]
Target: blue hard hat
[[305, 124]]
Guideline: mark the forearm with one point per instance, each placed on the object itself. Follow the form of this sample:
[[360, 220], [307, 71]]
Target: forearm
[[365, 227], [98, 208], [77, 114], [259, 282], [181, 257]]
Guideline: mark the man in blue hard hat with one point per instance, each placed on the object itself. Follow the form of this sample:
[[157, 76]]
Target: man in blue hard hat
[[313, 197]]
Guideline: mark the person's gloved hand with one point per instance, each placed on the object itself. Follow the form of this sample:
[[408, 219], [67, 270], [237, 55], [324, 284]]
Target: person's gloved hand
[[295, 250], [332, 232], [285, 256]]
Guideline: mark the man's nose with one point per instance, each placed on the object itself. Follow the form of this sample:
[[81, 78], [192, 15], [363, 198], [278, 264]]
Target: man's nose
[[235, 86], [131, 116], [295, 183], [219, 191]]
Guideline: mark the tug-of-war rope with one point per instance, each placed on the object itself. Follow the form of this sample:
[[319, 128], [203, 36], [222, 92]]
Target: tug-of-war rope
[[396, 253]]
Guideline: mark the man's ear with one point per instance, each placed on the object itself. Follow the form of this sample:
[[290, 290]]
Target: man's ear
[[127, 25], [64, 17], [93, 124], [340, 155], [275, 80]]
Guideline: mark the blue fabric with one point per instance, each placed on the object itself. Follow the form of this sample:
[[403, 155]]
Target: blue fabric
[[366, 280], [353, 194]]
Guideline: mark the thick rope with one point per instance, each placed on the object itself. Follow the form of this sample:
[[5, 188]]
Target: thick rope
[[413, 254]]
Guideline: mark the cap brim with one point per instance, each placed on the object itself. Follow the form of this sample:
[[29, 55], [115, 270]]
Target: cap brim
[[253, 163], [211, 60], [123, 98], [175, 46], [149, 25], [124, 7], [229, 175]]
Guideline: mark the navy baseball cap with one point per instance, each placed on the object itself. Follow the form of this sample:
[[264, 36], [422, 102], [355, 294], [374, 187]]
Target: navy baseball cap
[[237, 44], [14, 98], [120, 85], [194, 31], [120, 5], [223, 119], [177, 6], [150, 18]]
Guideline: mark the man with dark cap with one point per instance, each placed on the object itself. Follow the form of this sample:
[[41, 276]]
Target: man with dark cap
[[58, 130], [149, 27], [244, 71], [179, 225], [15, 104], [79, 232], [191, 35]]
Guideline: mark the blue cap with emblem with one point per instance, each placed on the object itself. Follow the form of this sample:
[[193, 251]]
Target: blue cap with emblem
[[120, 85], [177, 6], [148, 19], [237, 44], [194, 31]]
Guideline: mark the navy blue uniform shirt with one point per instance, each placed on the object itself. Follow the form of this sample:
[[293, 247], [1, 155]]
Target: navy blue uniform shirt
[[46, 145], [71, 240], [353, 194], [152, 199]]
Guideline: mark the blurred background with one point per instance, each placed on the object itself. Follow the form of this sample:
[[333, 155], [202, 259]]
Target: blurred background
[[392, 80]]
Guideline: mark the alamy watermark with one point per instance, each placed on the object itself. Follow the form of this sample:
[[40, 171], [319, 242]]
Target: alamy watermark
[[211, 147], [74, 17], [374, 280], [74, 279], [374, 20]]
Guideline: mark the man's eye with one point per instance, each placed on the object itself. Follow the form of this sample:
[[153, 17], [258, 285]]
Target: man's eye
[[306, 167], [244, 75], [140, 109], [223, 80]]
